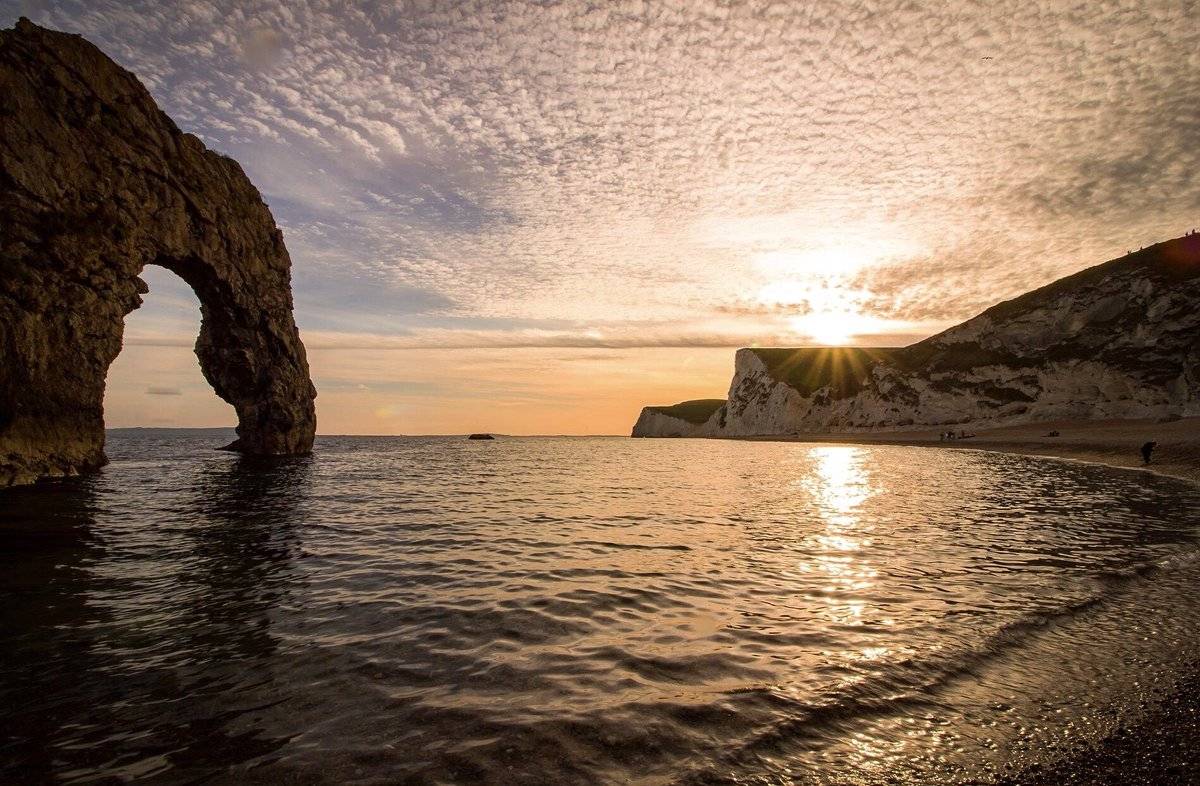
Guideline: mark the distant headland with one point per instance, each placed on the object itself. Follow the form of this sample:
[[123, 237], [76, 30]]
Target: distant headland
[[1120, 340]]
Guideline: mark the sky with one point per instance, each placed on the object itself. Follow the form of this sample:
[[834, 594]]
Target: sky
[[530, 217]]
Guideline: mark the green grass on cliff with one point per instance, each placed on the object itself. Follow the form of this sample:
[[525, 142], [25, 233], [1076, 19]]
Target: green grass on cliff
[[808, 369], [696, 411], [844, 370]]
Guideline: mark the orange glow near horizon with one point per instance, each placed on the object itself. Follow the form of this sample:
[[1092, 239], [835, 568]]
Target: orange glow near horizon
[[420, 391]]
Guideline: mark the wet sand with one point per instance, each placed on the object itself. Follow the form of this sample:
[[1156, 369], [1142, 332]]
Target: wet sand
[[1163, 746], [1116, 443]]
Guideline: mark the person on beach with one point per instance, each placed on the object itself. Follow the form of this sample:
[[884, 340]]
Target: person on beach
[[1147, 449]]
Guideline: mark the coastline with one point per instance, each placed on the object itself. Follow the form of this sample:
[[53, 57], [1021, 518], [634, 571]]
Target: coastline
[[1114, 443], [1161, 747]]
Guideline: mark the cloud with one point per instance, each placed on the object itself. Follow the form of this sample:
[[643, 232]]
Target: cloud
[[577, 162], [163, 391], [755, 308], [614, 175], [261, 47]]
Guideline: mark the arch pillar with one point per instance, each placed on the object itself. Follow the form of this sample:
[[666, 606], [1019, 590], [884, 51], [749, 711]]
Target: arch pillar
[[95, 183]]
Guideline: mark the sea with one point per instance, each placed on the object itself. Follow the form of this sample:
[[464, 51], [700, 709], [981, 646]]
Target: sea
[[568, 610]]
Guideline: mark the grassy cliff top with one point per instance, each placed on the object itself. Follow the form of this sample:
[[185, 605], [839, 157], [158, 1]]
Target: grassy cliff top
[[1175, 260], [696, 411], [808, 369], [845, 370]]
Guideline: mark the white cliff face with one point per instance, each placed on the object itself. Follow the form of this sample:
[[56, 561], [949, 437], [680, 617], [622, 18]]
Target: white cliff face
[[760, 404], [652, 423], [1121, 340]]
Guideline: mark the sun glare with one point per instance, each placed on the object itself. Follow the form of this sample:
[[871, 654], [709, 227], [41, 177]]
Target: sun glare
[[830, 312], [828, 329], [837, 328], [816, 285]]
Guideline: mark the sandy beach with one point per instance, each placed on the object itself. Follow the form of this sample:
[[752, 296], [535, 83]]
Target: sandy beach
[[1116, 443]]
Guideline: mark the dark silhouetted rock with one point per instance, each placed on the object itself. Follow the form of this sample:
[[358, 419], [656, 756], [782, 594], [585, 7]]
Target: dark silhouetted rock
[[96, 183], [481, 436]]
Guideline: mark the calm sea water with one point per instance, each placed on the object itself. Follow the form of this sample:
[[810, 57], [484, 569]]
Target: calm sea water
[[581, 610]]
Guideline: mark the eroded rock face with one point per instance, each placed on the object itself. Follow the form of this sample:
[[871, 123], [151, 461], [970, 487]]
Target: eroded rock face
[[1119, 340], [651, 423], [95, 183]]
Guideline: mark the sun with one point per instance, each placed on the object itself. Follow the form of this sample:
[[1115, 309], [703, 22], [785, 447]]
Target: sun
[[842, 327], [830, 328], [817, 285], [833, 315]]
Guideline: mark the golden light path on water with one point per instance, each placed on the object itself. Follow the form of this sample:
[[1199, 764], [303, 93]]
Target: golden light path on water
[[839, 484], [588, 611]]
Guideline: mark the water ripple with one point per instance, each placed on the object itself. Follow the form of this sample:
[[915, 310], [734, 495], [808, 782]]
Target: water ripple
[[580, 610]]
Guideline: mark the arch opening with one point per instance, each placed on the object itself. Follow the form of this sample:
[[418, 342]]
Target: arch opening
[[156, 380]]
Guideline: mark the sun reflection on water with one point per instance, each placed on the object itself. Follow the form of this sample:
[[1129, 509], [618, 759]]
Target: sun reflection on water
[[840, 482], [589, 610], [839, 485]]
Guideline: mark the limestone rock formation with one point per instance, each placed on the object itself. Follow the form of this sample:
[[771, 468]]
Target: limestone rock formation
[[95, 183], [685, 419], [1119, 340]]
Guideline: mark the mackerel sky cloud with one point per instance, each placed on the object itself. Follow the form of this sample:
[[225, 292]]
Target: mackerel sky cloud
[[616, 178]]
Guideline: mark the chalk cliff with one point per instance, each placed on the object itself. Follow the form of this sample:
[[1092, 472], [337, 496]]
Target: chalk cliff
[[95, 183], [685, 419], [1119, 340]]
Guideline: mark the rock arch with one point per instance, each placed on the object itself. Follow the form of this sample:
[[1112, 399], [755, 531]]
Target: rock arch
[[95, 183]]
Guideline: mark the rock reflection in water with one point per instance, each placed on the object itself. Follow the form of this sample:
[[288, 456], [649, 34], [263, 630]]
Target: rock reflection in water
[[144, 649], [580, 610], [47, 625]]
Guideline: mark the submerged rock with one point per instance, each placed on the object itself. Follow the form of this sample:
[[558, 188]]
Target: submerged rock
[[95, 184], [1119, 340]]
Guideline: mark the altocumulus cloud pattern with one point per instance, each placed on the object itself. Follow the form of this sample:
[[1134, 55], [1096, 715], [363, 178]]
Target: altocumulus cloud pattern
[[664, 174]]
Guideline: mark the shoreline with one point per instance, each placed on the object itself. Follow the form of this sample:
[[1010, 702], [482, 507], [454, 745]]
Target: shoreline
[[1160, 748], [1113, 443]]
